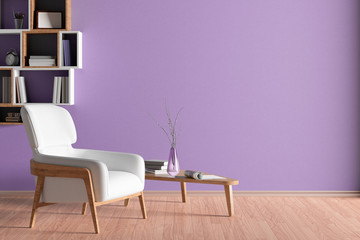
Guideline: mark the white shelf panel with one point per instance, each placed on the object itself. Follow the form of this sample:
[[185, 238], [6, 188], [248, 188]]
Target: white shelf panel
[[71, 92], [78, 49], [13, 67], [12, 31]]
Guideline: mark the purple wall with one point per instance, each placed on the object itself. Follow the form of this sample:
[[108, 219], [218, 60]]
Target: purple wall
[[270, 90]]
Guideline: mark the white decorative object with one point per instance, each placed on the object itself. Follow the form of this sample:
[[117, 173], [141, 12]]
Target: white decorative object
[[49, 19]]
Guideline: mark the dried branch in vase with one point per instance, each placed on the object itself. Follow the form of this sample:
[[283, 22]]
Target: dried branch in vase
[[171, 133]]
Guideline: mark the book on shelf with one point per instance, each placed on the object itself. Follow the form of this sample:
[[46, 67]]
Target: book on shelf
[[6, 89], [17, 90], [58, 90], [12, 119], [66, 54], [4, 82], [21, 89], [148, 170], [61, 90], [42, 61], [56, 79], [42, 64], [154, 162], [64, 89], [42, 57]]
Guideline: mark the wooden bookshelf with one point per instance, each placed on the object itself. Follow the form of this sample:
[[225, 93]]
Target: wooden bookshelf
[[31, 41], [10, 123], [63, 6], [44, 38]]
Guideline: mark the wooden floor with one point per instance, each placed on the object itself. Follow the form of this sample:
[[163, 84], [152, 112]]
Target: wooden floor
[[202, 217]]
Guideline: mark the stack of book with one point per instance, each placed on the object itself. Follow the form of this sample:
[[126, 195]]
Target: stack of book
[[13, 117], [6, 89], [61, 90], [42, 61], [156, 166]]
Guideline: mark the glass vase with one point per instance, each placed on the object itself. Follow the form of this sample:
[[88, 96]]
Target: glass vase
[[173, 164], [18, 23]]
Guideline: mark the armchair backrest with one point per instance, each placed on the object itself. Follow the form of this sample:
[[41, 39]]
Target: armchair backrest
[[48, 125]]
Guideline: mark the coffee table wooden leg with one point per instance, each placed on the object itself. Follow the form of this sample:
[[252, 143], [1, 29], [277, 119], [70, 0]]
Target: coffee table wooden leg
[[183, 191], [229, 199], [126, 202]]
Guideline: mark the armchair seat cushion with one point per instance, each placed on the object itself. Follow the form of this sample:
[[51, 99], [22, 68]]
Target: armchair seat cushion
[[123, 184]]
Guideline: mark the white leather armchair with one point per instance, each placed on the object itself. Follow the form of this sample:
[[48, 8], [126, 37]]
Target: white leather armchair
[[66, 174]]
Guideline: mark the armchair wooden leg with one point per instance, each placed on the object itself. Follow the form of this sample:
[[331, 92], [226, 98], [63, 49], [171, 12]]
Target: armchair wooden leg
[[126, 202], [84, 208], [142, 204], [90, 194], [38, 191]]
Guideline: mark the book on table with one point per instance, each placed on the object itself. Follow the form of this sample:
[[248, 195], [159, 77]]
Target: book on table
[[154, 162], [154, 171], [156, 167]]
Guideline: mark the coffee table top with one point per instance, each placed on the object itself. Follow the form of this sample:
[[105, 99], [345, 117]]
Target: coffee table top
[[182, 178]]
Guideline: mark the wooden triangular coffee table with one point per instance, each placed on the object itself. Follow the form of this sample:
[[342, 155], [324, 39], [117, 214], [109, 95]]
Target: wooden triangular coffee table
[[226, 182]]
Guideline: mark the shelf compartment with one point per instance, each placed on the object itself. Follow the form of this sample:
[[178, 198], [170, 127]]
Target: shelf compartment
[[40, 44], [6, 13], [63, 6], [5, 73], [9, 41], [75, 44], [4, 113], [40, 84]]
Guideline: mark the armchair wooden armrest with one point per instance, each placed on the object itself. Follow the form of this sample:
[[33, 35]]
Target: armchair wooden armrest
[[42, 170]]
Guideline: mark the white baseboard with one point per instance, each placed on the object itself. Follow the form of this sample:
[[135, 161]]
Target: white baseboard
[[235, 193], [300, 193], [17, 193]]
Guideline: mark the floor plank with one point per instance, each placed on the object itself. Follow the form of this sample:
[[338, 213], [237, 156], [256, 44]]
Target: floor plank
[[202, 217]]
